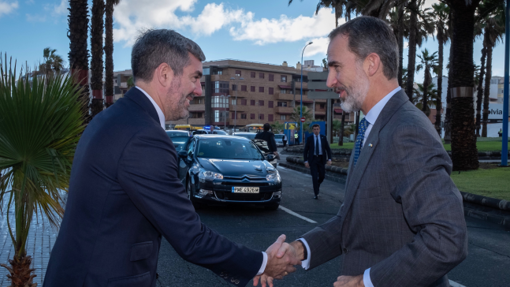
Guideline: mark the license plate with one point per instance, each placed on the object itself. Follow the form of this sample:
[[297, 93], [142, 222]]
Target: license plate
[[245, 189]]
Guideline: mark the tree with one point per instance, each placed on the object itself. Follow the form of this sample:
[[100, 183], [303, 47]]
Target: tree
[[464, 152], [96, 64], [78, 52], [424, 92], [108, 50], [52, 63], [399, 22], [427, 62], [441, 14], [277, 127], [40, 125]]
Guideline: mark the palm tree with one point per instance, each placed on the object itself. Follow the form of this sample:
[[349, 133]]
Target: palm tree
[[464, 152], [78, 52], [424, 92], [40, 122], [493, 23], [441, 13], [108, 50], [427, 62], [96, 64], [52, 63], [399, 22]]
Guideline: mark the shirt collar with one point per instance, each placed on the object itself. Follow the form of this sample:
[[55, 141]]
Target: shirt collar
[[373, 114], [161, 116]]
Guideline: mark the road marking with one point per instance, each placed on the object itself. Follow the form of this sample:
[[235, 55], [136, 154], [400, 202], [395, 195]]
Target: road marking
[[296, 215], [455, 284]]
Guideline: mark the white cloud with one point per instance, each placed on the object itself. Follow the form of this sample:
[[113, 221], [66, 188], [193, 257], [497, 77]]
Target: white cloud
[[36, 18], [133, 16], [428, 3], [61, 8], [319, 46], [285, 29], [7, 7]]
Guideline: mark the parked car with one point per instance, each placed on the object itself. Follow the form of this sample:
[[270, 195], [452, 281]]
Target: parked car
[[219, 132], [222, 169], [245, 135], [179, 138], [279, 139], [200, 132]]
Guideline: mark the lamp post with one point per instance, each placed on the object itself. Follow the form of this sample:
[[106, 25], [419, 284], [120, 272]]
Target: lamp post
[[235, 95], [301, 106]]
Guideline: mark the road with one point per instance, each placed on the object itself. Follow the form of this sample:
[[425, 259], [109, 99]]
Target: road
[[487, 264]]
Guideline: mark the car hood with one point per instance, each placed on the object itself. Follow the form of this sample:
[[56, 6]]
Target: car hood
[[236, 168]]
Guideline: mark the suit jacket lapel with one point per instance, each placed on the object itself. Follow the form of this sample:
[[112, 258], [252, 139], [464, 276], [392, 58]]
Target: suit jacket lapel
[[135, 95], [356, 173]]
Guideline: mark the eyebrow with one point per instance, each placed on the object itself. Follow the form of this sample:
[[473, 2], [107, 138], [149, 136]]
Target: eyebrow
[[197, 73], [332, 63]]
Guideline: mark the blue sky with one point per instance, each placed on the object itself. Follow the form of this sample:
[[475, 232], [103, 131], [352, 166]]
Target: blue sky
[[268, 31]]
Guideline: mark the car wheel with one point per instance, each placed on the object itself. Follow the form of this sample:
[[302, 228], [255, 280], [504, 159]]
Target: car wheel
[[189, 190], [273, 206]]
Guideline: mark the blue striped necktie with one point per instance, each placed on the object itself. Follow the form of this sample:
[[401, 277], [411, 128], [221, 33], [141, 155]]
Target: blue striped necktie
[[359, 140]]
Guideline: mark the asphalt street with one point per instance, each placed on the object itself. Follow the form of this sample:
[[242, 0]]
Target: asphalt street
[[487, 264]]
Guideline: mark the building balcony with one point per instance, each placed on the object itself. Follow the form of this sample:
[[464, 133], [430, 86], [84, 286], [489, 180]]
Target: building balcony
[[123, 85], [196, 108], [320, 113], [283, 110], [196, 121], [285, 97]]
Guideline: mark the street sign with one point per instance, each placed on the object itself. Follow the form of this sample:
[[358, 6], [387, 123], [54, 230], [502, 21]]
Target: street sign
[[303, 119]]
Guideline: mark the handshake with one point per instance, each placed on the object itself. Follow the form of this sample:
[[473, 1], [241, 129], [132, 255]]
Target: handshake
[[281, 258]]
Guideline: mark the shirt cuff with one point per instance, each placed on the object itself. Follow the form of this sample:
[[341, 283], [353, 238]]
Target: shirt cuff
[[366, 278], [306, 263], [264, 263]]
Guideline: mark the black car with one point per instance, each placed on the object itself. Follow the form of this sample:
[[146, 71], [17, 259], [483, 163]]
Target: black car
[[179, 138], [223, 169]]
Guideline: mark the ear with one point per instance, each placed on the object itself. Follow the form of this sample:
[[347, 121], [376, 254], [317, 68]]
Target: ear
[[372, 64], [164, 75]]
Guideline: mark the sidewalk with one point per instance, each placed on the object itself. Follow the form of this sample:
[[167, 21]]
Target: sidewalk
[[41, 237]]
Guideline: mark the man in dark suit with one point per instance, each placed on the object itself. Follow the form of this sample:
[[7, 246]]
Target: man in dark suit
[[125, 194], [402, 219], [269, 138], [317, 153]]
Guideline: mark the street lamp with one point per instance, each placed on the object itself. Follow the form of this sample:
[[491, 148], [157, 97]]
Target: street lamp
[[301, 107], [235, 95], [225, 113]]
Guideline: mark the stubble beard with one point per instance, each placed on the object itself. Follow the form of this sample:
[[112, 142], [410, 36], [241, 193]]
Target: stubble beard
[[357, 93], [176, 102]]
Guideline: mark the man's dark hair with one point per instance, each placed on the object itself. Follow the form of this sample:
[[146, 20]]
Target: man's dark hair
[[371, 35], [316, 125], [267, 127], [154, 47]]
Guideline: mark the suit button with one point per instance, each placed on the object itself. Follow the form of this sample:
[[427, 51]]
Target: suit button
[[345, 250]]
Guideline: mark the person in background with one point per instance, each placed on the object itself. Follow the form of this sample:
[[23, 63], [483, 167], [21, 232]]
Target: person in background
[[269, 138], [284, 140], [317, 153]]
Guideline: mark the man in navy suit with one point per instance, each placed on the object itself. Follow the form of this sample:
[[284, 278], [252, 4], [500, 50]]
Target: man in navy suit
[[125, 194], [317, 153]]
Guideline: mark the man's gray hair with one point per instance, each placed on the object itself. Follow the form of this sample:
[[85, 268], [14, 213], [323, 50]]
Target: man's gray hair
[[155, 47], [371, 35]]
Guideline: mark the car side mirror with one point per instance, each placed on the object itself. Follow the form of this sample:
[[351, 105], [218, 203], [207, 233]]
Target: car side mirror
[[183, 154], [270, 157]]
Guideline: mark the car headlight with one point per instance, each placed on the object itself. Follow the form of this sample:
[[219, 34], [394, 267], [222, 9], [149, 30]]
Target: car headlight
[[208, 175], [274, 177]]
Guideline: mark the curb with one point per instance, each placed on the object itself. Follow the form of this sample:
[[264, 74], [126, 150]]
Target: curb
[[475, 206]]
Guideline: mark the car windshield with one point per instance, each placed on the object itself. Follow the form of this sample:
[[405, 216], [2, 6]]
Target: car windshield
[[180, 142], [173, 134], [228, 148], [220, 133], [278, 136], [246, 135]]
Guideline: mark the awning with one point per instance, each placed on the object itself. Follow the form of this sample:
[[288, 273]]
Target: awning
[[284, 87], [338, 111]]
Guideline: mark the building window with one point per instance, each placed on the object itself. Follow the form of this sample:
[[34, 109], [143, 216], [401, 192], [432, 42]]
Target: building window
[[244, 88], [261, 116], [252, 74], [219, 102], [234, 87], [233, 115], [220, 72], [283, 79], [261, 103], [234, 102], [282, 104], [252, 116], [283, 117], [221, 87], [243, 116], [271, 91], [261, 89], [271, 77], [270, 104], [252, 102], [238, 73], [216, 116], [261, 75], [321, 106], [270, 118], [283, 91], [244, 102], [252, 88]]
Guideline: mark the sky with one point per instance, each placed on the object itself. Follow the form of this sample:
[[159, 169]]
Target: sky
[[266, 31]]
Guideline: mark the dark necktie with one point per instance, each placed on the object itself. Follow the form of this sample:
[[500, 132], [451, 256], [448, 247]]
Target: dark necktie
[[359, 140], [316, 145]]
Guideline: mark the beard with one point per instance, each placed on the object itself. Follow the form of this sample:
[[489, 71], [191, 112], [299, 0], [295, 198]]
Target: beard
[[177, 102], [357, 93]]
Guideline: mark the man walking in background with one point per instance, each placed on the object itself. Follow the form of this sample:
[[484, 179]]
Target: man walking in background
[[269, 138], [317, 153]]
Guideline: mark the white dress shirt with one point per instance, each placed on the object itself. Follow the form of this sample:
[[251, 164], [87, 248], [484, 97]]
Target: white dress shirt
[[371, 118]]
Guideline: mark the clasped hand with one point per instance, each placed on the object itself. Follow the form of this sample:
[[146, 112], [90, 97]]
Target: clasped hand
[[281, 258]]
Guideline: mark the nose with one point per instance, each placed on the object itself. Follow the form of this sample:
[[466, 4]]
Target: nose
[[331, 81], [198, 89]]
